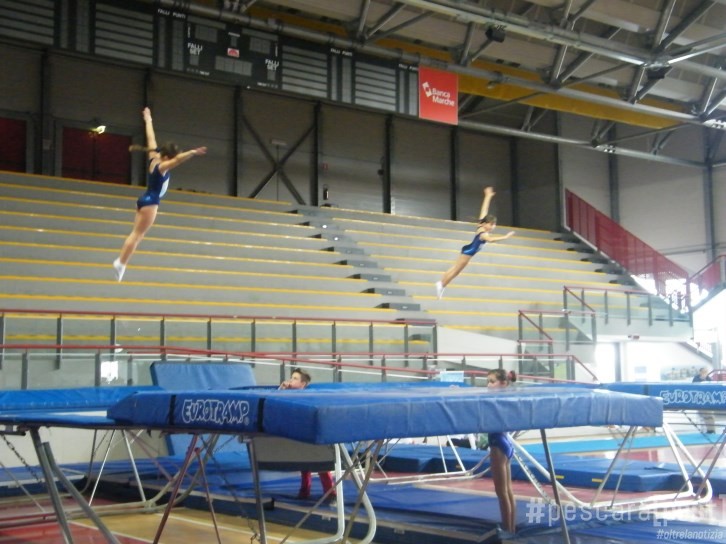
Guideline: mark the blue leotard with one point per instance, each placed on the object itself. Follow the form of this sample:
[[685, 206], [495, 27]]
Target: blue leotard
[[503, 442], [474, 246], [155, 188]]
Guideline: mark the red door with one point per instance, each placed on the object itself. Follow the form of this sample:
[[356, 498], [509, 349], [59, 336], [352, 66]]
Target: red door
[[98, 157], [13, 142]]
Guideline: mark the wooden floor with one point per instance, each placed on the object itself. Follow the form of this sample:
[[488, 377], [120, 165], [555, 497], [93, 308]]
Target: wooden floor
[[186, 526]]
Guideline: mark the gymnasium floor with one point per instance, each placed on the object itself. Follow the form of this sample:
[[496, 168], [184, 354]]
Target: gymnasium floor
[[195, 526]]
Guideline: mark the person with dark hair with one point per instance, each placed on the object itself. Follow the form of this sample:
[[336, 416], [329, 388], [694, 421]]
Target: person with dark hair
[[487, 223], [299, 379], [501, 450], [161, 161]]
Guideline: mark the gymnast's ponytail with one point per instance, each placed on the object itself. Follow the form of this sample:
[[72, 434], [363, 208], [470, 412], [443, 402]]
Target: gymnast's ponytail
[[512, 376]]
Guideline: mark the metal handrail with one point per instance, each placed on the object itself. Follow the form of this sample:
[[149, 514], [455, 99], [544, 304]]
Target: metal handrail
[[336, 363]]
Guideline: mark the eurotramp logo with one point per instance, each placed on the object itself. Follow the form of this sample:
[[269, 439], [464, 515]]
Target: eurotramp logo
[[215, 411], [694, 398], [540, 512]]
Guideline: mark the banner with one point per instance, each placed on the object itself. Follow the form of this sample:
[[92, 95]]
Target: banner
[[438, 95]]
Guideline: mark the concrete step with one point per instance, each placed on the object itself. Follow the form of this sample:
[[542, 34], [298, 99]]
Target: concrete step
[[191, 292], [190, 234], [452, 240], [443, 261], [395, 222], [70, 270], [188, 262], [156, 241], [83, 200], [472, 278], [128, 303], [22, 212], [129, 191]]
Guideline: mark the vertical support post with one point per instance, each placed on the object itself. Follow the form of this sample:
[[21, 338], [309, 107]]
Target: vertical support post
[[97, 369], [44, 155], [59, 341], [454, 170], [370, 340], [405, 340], [334, 337], [253, 335], [294, 337], [210, 332], [607, 307], [338, 370], [627, 308], [236, 141], [24, 371], [386, 166], [315, 155], [162, 332], [112, 337], [2, 339], [283, 365]]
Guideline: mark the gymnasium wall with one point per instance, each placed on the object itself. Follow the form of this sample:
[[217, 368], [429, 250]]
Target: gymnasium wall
[[436, 170]]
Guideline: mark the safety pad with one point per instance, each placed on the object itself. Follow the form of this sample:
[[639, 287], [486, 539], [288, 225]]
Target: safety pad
[[200, 375], [85, 398], [347, 415]]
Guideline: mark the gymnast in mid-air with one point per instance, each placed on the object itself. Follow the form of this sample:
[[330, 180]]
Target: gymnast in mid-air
[[487, 223], [161, 161]]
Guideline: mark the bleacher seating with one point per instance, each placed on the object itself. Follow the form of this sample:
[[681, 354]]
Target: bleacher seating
[[212, 254]]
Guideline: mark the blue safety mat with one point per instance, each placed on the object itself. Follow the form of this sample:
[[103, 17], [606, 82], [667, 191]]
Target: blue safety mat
[[429, 516], [572, 470], [612, 444], [343, 415]]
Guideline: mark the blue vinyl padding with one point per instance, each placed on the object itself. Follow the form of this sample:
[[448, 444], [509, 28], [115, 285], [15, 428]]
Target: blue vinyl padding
[[678, 396], [77, 407], [85, 398], [345, 415], [200, 376]]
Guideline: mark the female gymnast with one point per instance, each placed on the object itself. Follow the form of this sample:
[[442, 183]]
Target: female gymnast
[[483, 235], [500, 452], [161, 161]]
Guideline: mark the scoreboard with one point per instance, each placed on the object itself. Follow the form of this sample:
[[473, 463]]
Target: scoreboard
[[227, 52], [252, 58], [169, 38]]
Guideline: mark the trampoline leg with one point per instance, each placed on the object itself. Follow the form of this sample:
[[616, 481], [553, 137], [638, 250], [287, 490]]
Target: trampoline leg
[[258, 491], [555, 491], [50, 484], [180, 476], [80, 500]]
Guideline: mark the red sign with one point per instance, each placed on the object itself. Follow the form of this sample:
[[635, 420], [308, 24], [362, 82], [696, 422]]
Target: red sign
[[438, 95]]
